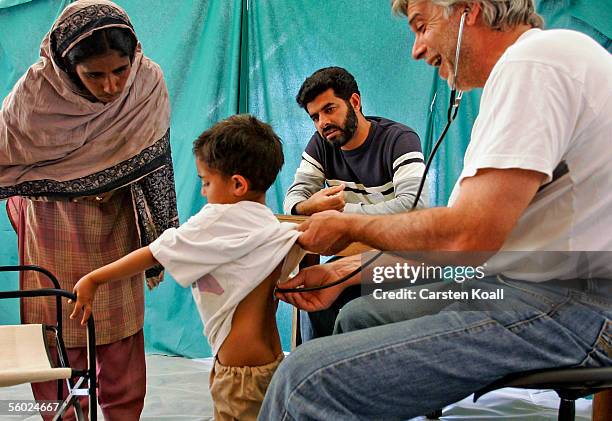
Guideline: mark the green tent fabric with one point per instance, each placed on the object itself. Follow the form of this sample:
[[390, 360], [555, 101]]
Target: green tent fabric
[[600, 18], [591, 17], [220, 57], [9, 3]]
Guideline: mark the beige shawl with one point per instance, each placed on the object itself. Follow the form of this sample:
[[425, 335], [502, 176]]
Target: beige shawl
[[57, 142], [50, 130]]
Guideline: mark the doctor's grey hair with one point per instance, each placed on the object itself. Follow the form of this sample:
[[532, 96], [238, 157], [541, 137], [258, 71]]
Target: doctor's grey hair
[[500, 15]]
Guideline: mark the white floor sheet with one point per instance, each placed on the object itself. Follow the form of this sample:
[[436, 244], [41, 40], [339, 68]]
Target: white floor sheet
[[177, 390]]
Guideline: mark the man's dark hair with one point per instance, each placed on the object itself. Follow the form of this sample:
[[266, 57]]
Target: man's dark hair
[[243, 145], [340, 80]]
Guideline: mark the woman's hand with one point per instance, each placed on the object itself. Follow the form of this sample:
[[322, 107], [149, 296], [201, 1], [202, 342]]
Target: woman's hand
[[85, 291]]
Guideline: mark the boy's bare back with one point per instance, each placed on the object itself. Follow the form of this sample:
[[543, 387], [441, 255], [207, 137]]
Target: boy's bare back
[[253, 339]]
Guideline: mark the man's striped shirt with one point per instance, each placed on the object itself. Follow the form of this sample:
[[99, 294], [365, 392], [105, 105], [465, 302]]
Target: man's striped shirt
[[381, 176]]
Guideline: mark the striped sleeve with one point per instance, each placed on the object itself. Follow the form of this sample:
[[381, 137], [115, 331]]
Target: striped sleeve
[[309, 179], [408, 167]]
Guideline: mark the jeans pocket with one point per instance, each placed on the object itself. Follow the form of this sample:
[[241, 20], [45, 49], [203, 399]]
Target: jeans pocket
[[601, 354]]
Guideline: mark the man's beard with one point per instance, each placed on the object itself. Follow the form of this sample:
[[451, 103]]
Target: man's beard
[[346, 132]]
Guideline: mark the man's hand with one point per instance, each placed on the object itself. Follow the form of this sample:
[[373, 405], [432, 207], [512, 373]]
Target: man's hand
[[311, 277], [326, 233], [331, 198], [85, 291]]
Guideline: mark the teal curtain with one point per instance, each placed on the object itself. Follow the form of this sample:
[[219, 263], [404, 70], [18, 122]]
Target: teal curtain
[[9, 3], [221, 57], [594, 18]]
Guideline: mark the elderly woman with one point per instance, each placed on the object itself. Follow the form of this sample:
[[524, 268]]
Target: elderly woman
[[85, 160]]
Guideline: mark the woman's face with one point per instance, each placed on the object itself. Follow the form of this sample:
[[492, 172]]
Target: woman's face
[[105, 76]]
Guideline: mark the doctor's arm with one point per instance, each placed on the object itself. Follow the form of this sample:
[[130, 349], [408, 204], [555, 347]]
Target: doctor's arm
[[487, 208]]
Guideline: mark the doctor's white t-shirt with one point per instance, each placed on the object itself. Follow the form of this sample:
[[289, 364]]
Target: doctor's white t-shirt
[[547, 107]]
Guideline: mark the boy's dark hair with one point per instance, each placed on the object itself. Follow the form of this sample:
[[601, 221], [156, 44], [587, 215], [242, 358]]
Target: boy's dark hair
[[340, 80], [243, 145]]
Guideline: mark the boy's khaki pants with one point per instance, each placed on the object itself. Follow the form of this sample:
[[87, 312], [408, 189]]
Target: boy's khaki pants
[[237, 392]]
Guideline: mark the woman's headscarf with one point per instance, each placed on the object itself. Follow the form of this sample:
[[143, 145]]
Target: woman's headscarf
[[55, 141]]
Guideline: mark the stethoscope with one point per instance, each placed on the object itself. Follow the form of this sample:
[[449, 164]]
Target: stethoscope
[[453, 109]]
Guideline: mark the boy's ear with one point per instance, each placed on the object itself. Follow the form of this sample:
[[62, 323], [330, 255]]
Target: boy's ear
[[241, 185]]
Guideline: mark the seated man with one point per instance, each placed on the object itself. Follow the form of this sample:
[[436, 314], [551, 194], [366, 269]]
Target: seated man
[[371, 165], [536, 180]]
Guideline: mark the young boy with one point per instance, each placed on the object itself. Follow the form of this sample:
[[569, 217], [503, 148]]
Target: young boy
[[231, 253]]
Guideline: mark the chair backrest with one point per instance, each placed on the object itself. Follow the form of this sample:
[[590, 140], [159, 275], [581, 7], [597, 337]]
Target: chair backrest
[[24, 356]]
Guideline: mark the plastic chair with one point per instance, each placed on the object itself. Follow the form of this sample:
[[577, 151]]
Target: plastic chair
[[569, 383], [26, 357]]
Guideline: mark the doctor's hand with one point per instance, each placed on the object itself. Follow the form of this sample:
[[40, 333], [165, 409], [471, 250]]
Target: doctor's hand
[[331, 198], [326, 232], [311, 277]]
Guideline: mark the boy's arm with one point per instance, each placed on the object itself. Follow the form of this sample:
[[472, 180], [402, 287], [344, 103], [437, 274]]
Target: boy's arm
[[136, 262]]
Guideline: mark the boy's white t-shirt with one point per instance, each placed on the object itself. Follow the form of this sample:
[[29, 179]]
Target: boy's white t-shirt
[[547, 106], [224, 252]]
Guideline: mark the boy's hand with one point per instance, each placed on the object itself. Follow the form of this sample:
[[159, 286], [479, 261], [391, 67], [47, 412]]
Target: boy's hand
[[85, 291], [153, 282]]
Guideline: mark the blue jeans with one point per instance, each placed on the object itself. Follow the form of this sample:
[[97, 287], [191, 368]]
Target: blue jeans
[[318, 324], [408, 360]]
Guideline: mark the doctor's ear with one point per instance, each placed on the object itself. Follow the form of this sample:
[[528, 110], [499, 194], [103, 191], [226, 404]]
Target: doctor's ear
[[471, 10]]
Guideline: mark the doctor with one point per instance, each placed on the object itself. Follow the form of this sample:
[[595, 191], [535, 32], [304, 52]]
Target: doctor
[[536, 177]]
